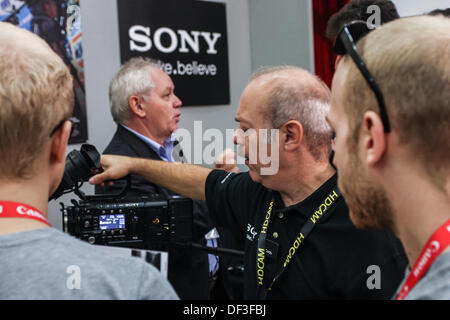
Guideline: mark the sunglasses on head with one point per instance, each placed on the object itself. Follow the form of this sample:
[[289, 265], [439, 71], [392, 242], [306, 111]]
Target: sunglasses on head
[[345, 44]]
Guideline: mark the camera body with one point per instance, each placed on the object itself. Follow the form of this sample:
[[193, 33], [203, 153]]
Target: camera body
[[148, 222], [153, 222]]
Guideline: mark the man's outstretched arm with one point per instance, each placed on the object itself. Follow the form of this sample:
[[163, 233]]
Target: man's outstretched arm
[[184, 179]]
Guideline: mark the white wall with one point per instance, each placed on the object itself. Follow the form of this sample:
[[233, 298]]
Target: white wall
[[281, 33], [415, 7], [260, 32], [102, 60]]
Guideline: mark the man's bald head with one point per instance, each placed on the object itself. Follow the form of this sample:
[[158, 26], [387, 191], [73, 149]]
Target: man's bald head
[[292, 93]]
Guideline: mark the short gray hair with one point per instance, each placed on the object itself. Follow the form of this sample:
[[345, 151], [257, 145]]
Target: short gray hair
[[133, 78], [308, 103]]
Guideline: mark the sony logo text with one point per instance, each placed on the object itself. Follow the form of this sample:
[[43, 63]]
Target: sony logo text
[[184, 41]]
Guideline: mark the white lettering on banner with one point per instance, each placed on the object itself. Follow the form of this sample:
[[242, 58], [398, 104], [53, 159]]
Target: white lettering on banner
[[173, 40], [136, 36], [140, 40], [186, 38], [1, 209], [211, 42], [195, 68]]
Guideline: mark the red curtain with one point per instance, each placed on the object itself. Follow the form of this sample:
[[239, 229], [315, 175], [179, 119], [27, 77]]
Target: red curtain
[[323, 48]]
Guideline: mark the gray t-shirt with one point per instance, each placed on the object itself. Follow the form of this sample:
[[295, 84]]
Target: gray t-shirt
[[49, 264], [435, 285]]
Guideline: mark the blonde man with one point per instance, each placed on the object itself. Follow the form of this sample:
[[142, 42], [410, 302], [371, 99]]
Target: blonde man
[[399, 179], [37, 261]]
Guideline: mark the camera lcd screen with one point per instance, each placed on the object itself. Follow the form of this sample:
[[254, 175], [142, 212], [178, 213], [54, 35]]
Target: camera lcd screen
[[112, 221]]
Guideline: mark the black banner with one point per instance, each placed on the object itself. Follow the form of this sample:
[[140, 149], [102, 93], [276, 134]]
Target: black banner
[[188, 38]]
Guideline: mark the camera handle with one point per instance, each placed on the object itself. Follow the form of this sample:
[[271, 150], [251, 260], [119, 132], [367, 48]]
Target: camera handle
[[109, 196]]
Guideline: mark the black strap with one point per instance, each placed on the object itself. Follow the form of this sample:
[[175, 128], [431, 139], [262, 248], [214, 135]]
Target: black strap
[[261, 250], [325, 208]]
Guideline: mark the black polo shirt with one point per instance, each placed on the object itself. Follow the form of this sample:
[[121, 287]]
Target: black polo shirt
[[336, 260]]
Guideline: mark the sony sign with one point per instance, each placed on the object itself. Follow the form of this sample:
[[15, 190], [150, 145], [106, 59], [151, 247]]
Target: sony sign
[[188, 38], [184, 41]]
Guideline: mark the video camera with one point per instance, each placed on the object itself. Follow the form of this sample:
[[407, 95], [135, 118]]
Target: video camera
[[151, 222]]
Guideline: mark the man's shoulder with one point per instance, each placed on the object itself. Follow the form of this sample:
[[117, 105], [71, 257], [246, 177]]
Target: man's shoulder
[[239, 186], [65, 248], [224, 178], [120, 143], [236, 194], [126, 143], [435, 285], [102, 274]]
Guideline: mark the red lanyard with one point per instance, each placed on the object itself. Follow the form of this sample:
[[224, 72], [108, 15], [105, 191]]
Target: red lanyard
[[10, 209], [435, 245]]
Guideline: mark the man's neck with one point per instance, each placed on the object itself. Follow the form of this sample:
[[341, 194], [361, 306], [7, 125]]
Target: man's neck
[[29, 192], [419, 211], [140, 128], [301, 185]]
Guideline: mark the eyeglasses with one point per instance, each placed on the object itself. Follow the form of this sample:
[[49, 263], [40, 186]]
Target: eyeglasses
[[346, 44]]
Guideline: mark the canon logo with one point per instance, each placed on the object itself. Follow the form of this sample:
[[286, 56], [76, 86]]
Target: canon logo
[[184, 41], [29, 212]]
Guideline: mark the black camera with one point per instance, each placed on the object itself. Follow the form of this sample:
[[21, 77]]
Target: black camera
[[79, 167], [151, 222]]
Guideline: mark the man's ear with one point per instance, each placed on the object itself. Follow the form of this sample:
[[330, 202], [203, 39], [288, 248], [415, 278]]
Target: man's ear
[[373, 138], [57, 161], [291, 135], [59, 144], [135, 103]]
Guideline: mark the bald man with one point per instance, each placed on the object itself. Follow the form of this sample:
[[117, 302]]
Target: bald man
[[299, 240]]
